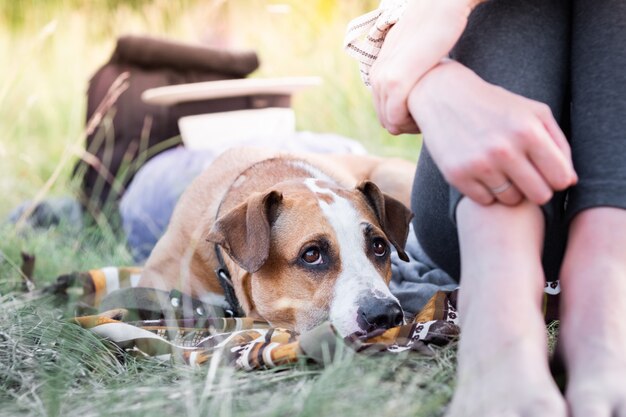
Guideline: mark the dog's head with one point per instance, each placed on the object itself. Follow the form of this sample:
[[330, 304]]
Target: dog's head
[[313, 251]]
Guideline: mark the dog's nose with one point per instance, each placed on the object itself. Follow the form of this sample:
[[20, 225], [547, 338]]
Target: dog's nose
[[379, 314]]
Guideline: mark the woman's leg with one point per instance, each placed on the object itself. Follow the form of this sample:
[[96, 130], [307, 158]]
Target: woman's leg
[[593, 313], [502, 358], [593, 327], [522, 46]]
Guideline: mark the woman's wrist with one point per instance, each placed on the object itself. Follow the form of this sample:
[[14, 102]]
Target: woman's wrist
[[475, 3], [432, 85]]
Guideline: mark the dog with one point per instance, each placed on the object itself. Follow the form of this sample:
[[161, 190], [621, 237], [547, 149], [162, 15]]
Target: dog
[[300, 238]]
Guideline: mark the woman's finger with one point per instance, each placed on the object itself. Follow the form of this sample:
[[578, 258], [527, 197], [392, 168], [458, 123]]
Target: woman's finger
[[395, 125], [554, 130], [498, 184], [377, 99], [396, 104], [528, 181], [475, 190], [391, 114], [550, 161], [503, 190], [407, 126], [559, 138]]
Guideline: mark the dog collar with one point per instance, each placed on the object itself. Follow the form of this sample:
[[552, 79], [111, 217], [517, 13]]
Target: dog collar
[[223, 276]]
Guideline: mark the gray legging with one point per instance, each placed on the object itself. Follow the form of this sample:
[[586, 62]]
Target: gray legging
[[570, 55]]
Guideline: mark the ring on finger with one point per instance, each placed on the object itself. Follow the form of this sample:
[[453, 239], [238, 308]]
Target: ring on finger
[[501, 188]]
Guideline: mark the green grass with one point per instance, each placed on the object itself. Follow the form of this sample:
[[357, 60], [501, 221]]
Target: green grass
[[48, 367], [53, 368]]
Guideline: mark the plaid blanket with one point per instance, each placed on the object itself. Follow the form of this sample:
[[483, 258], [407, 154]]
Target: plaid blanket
[[250, 344]]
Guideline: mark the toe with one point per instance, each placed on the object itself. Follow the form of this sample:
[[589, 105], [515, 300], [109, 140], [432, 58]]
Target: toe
[[592, 411], [553, 407], [589, 408]]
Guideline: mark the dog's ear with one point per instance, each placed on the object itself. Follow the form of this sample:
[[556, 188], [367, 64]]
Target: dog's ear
[[393, 216], [244, 232]]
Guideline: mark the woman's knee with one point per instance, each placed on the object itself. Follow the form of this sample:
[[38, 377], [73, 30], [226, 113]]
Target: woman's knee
[[522, 46]]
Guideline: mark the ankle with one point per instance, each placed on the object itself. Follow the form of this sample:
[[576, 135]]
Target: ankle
[[490, 331]]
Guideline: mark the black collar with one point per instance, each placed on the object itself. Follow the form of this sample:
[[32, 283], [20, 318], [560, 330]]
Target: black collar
[[223, 276]]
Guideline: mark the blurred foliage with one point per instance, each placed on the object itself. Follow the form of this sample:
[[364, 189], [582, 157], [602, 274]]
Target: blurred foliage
[[49, 49]]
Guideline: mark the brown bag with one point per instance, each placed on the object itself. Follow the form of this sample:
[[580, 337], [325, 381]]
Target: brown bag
[[131, 131]]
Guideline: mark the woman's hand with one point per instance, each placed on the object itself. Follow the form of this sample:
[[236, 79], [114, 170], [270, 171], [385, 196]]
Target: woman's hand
[[422, 37], [483, 137]]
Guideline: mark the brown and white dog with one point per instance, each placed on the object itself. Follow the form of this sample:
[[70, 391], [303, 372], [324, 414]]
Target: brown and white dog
[[306, 238]]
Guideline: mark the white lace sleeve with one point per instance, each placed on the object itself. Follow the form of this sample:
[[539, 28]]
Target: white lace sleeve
[[365, 34]]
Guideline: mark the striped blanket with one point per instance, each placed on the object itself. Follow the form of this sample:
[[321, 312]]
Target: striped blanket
[[250, 344]]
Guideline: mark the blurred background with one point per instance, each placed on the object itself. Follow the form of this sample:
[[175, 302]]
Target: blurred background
[[50, 48]]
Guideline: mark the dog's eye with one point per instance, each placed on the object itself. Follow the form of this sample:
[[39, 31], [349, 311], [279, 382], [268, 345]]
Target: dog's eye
[[379, 246], [312, 256]]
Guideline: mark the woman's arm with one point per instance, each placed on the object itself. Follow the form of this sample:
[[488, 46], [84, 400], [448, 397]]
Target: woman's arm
[[481, 136], [423, 36]]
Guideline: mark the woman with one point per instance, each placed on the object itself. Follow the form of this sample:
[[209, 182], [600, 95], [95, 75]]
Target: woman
[[504, 200]]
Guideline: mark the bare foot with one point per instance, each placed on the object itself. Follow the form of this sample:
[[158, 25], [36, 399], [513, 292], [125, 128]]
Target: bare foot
[[503, 358], [598, 388], [593, 326], [513, 380]]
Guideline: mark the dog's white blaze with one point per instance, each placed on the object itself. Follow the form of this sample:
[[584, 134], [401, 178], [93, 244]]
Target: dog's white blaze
[[239, 181], [311, 170], [312, 184], [358, 276]]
